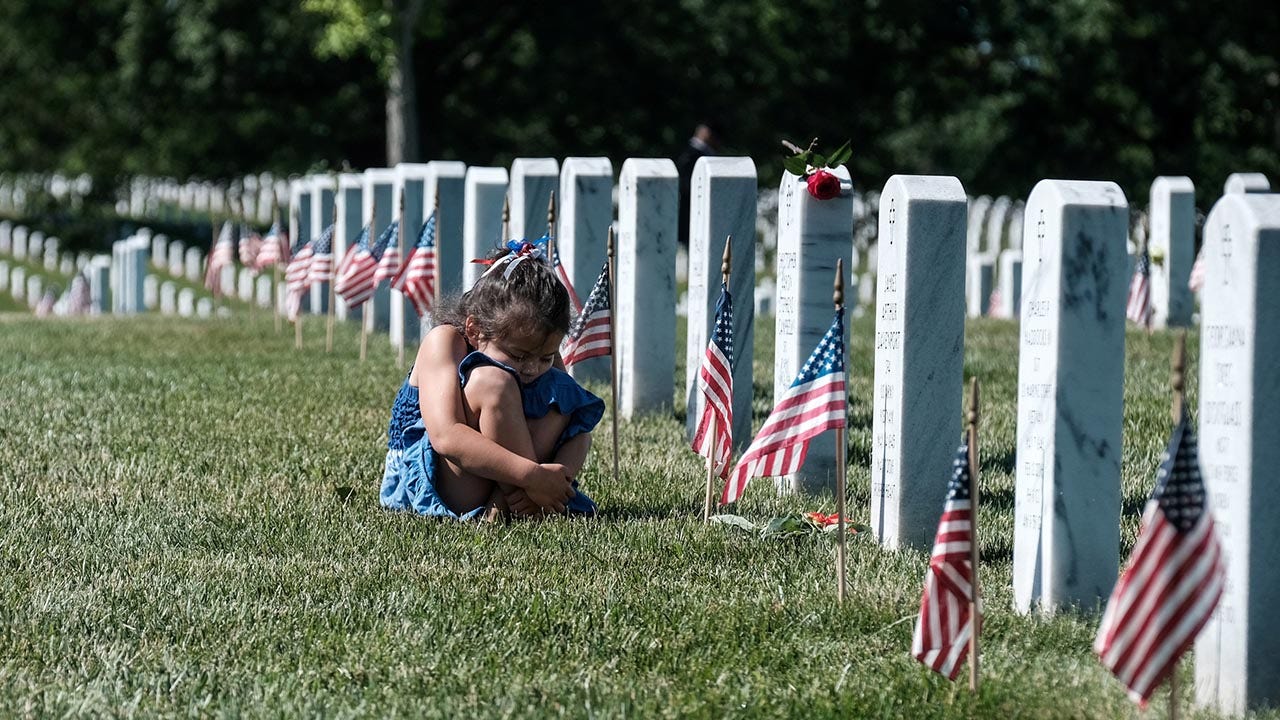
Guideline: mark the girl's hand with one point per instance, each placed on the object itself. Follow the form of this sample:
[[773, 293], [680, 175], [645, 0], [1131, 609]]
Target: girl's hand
[[519, 504], [549, 488]]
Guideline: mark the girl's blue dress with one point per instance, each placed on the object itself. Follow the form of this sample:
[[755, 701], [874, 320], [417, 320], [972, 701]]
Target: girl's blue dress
[[408, 480]]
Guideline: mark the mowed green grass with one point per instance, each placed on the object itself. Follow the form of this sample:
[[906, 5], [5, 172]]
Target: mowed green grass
[[191, 527]]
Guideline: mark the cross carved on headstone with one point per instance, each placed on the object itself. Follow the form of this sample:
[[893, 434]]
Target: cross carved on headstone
[[1226, 249], [1040, 237], [893, 218]]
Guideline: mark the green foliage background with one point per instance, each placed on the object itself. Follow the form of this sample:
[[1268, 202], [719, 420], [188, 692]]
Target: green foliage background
[[997, 92]]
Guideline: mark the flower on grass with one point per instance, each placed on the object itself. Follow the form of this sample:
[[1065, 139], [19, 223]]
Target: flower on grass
[[811, 166]]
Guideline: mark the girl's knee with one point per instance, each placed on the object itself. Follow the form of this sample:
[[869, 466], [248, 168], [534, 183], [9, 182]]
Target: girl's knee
[[491, 387]]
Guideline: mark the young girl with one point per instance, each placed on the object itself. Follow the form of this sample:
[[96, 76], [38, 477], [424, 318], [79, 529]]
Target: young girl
[[487, 417]]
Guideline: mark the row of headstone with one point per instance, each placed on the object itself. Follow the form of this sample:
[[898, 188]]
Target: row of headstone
[[129, 270], [253, 197]]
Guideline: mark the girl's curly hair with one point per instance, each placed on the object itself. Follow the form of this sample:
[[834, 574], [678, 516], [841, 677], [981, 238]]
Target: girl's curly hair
[[532, 297]]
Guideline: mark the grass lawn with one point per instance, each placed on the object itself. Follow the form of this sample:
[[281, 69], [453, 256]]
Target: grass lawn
[[191, 527]]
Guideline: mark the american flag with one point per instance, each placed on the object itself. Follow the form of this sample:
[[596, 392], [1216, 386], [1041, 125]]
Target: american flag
[[250, 247], [222, 256], [275, 247], [389, 263], [944, 626], [564, 279], [355, 273], [590, 334], [297, 276], [814, 403], [321, 258], [44, 306], [1138, 308], [1174, 577], [995, 303], [715, 380], [1196, 281], [417, 277]]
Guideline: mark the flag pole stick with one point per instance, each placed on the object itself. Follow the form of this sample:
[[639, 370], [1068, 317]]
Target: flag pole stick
[[726, 262], [1177, 376], [297, 323], [506, 222], [974, 600], [328, 331], [404, 335], [613, 352], [837, 298], [366, 314]]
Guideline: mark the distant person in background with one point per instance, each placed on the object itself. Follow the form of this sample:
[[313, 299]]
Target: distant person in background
[[705, 141]]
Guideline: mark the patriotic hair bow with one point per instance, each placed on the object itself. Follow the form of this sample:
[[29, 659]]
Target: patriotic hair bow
[[518, 252]]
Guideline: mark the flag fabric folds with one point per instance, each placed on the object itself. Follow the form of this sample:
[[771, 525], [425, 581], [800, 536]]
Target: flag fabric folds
[[320, 262], [222, 256], [715, 381], [250, 247], [389, 263], [815, 402], [275, 247], [564, 279], [590, 333], [1138, 308], [354, 280], [944, 626], [79, 301], [1174, 578], [416, 278], [296, 277]]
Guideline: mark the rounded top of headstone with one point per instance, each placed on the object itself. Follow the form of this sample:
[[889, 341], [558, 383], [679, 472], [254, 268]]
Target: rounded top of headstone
[[1100, 193], [382, 176], [534, 166], [1246, 183], [926, 187], [1253, 210], [841, 172], [438, 168], [323, 181], [351, 181], [1172, 183], [721, 166], [649, 167], [588, 166], [478, 174]]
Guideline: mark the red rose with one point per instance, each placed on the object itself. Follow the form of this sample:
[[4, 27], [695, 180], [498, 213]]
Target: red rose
[[823, 185]]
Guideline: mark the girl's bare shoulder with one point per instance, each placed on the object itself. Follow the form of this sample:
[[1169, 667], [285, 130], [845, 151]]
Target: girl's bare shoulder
[[442, 349]]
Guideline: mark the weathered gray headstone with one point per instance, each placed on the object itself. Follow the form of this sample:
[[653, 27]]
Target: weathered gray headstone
[[168, 298], [485, 191], [1070, 396], [1246, 183], [420, 183], [919, 356], [350, 201], [532, 182], [204, 308], [812, 235], [35, 246], [648, 212], [1172, 245], [186, 302], [51, 255], [722, 200], [1236, 652]]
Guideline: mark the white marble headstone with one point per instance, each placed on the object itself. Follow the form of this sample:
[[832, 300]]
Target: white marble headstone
[[1070, 396], [160, 251], [993, 235], [1235, 657], [168, 298], [585, 203], [99, 272], [18, 282], [35, 246], [1246, 183], [324, 188], [421, 183], [1009, 279], [485, 190], [35, 290], [980, 281], [20, 242], [177, 258], [204, 308], [67, 266], [262, 292], [6, 237], [532, 182], [186, 302], [244, 284], [150, 292], [194, 264], [812, 235], [648, 212], [1172, 245], [919, 356], [722, 203], [380, 206]]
